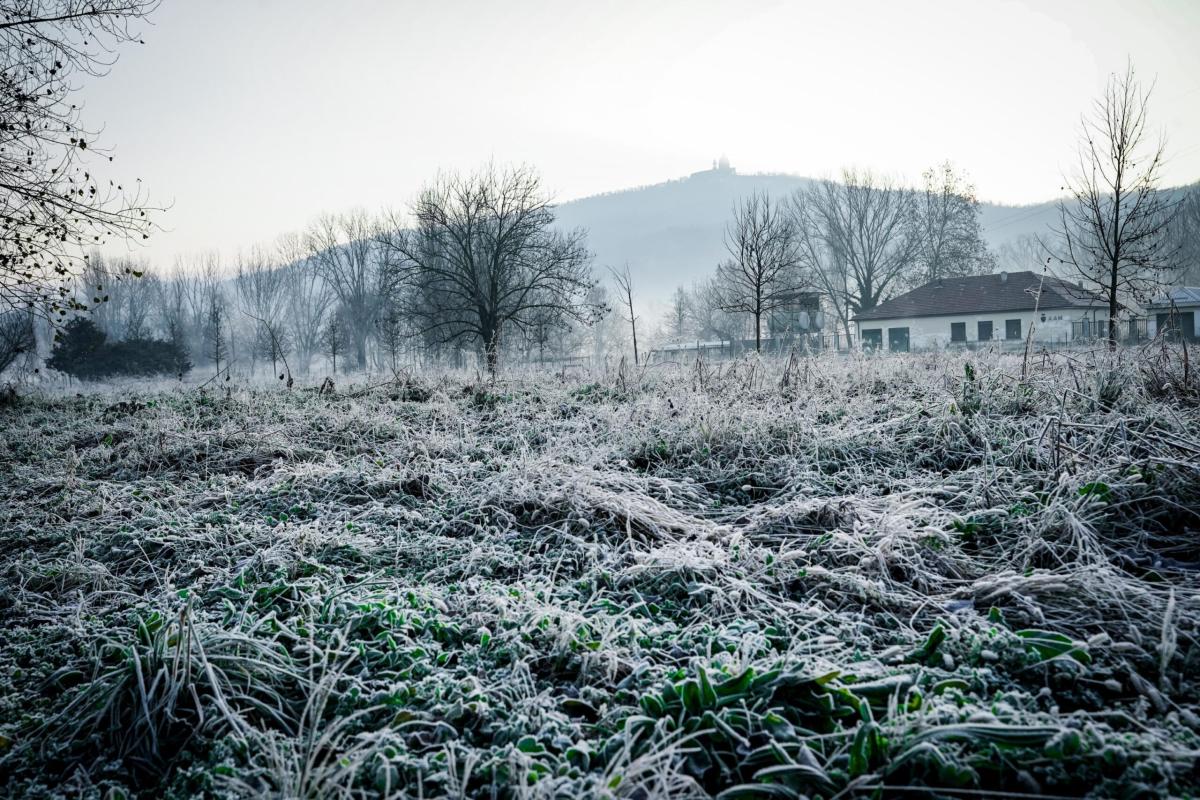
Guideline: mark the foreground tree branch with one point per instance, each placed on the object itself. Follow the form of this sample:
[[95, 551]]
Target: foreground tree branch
[[53, 206]]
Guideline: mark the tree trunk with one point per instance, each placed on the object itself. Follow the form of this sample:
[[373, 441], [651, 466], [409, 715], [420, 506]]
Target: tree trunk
[[632, 324], [491, 355], [1112, 309], [360, 349], [491, 346]]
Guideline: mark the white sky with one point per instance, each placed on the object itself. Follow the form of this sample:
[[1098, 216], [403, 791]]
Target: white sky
[[253, 116]]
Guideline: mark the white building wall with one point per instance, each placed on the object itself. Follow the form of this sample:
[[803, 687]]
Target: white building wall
[[932, 333], [1152, 319]]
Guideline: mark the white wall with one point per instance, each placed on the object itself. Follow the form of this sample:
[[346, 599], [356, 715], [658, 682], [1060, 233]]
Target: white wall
[[930, 333], [1152, 316]]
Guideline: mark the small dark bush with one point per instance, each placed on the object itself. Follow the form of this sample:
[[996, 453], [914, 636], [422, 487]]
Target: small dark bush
[[83, 351]]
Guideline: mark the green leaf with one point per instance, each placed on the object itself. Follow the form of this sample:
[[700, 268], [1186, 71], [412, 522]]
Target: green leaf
[[759, 791], [866, 749], [797, 776], [734, 688], [528, 744], [1096, 491], [690, 693], [651, 705], [1065, 743], [1049, 645], [708, 696]]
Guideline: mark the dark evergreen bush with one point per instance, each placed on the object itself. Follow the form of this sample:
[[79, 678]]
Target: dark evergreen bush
[[83, 351]]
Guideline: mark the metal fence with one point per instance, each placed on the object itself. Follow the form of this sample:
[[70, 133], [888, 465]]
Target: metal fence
[[801, 342], [1132, 330]]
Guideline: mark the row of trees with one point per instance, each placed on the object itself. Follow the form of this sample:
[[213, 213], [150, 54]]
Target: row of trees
[[478, 264], [863, 238], [482, 264], [854, 241]]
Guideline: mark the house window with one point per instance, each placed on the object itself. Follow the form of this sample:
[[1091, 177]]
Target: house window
[[985, 331], [898, 340], [1012, 329], [872, 338], [958, 331]]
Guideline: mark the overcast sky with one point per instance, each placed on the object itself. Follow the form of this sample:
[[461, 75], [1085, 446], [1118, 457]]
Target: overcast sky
[[253, 116]]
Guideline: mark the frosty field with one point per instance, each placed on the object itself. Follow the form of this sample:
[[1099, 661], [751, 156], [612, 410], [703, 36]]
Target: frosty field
[[828, 577]]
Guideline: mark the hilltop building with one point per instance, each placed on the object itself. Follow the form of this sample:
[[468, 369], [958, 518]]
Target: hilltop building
[[720, 167]]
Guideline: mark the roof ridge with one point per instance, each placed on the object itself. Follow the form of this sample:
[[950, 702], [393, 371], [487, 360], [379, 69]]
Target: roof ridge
[[994, 292]]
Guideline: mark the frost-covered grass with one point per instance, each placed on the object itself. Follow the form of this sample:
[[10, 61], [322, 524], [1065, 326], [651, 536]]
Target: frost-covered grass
[[827, 577]]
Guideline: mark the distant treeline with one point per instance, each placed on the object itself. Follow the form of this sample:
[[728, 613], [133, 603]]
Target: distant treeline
[[479, 268]]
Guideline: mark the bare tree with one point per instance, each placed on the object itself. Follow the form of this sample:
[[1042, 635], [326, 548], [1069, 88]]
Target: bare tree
[[707, 314], [677, 314], [1185, 235], [544, 328], [259, 283], [950, 239], [1023, 253], [335, 336], [624, 281], [600, 332], [857, 238], [393, 330], [53, 204], [199, 277], [763, 271], [483, 256], [307, 298], [137, 292], [171, 307], [119, 293], [216, 331], [343, 248], [1114, 225]]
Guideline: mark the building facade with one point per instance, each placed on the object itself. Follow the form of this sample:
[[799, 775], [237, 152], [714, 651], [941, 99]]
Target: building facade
[[981, 310], [1176, 313]]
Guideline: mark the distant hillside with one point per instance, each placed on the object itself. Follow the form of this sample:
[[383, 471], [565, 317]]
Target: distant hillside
[[670, 233]]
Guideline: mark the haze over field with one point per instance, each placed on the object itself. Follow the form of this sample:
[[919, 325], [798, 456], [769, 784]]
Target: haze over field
[[250, 134], [672, 233]]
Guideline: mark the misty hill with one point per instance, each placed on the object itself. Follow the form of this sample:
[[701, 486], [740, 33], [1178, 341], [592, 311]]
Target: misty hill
[[671, 233]]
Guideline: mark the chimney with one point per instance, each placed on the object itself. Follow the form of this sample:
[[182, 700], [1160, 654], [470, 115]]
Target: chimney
[[1004, 277]]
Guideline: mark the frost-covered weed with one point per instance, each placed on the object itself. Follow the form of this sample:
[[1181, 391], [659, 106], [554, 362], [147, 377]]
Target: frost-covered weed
[[814, 577]]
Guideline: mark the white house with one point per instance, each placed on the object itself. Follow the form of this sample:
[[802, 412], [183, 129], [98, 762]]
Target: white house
[[982, 309], [1178, 309]]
